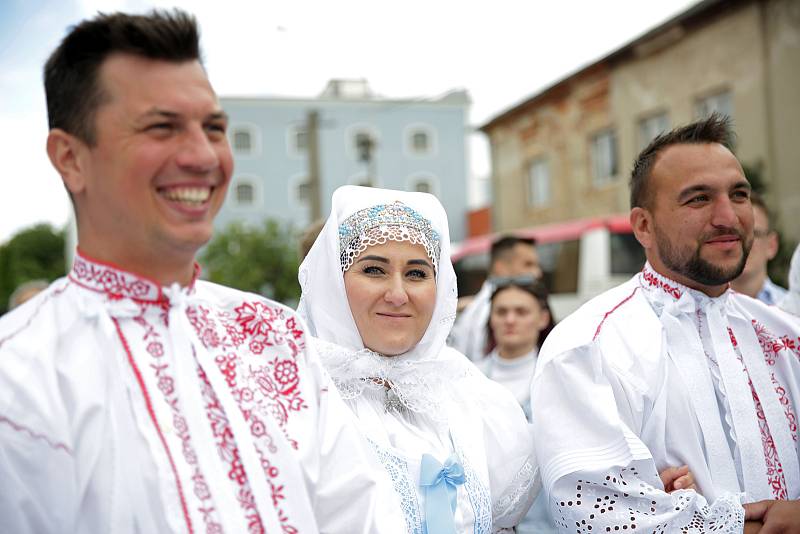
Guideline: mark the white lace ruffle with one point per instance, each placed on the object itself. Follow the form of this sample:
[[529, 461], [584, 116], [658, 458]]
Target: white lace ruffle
[[420, 386], [520, 489]]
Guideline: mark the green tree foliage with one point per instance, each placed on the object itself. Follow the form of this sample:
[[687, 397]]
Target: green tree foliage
[[33, 253], [258, 259]]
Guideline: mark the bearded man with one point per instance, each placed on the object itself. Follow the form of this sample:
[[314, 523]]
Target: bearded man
[[674, 368]]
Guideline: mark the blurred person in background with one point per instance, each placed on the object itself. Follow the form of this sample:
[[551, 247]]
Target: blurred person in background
[[791, 301], [509, 256], [308, 237], [26, 291], [135, 397], [519, 321], [754, 280]]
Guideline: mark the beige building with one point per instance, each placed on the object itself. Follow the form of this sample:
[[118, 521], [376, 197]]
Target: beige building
[[566, 152]]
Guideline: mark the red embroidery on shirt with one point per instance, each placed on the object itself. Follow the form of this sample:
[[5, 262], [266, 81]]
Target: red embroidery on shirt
[[655, 281], [773, 348], [775, 474], [612, 310], [270, 384], [113, 282], [35, 435], [117, 283], [154, 419]]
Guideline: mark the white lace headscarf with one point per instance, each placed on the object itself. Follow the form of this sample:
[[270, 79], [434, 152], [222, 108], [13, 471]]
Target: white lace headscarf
[[324, 304]]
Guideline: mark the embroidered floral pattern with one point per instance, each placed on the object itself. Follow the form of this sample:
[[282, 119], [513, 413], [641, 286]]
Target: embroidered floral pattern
[[162, 373], [117, 284], [777, 481], [653, 280], [254, 346], [269, 384]]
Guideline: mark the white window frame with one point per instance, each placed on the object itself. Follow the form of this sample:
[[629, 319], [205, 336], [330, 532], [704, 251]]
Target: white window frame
[[605, 176], [408, 140], [245, 179], [711, 102], [429, 177], [350, 139], [291, 140], [294, 183], [644, 138], [255, 139], [535, 200]]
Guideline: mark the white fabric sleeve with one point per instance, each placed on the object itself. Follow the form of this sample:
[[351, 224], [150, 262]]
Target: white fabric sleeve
[[350, 492], [38, 490], [619, 499], [514, 480], [598, 472]]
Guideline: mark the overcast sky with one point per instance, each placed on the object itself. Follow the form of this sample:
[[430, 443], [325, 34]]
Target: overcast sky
[[500, 51]]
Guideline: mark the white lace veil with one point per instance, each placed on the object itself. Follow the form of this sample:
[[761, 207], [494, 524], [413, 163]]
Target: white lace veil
[[325, 308]]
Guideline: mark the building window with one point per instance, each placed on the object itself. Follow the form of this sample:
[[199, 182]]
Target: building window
[[420, 143], [423, 186], [423, 183], [304, 192], [364, 146], [245, 194], [363, 179], [650, 127], [721, 103], [242, 141], [420, 140], [300, 139], [604, 157], [539, 183]]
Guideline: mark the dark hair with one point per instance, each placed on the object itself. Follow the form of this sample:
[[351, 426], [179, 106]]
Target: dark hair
[[713, 129], [507, 243], [531, 285], [71, 80]]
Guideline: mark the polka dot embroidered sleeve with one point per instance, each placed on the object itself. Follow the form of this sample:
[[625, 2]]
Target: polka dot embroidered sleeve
[[621, 499]]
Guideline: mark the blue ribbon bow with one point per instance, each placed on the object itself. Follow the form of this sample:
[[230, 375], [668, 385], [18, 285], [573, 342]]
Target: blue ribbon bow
[[439, 482]]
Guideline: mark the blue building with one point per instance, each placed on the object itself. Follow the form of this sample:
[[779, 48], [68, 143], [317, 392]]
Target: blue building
[[362, 139]]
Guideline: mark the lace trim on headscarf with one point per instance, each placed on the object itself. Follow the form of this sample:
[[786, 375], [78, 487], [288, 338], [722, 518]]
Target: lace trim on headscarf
[[386, 222], [420, 386]]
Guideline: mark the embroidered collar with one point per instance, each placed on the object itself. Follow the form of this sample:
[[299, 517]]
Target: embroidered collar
[[649, 279], [118, 284], [662, 291]]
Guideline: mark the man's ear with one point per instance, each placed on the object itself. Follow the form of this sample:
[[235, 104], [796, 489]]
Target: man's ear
[[66, 154], [642, 224], [772, 244]]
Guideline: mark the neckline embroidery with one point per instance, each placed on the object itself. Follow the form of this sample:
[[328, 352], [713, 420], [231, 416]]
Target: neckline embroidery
[[118, 284]]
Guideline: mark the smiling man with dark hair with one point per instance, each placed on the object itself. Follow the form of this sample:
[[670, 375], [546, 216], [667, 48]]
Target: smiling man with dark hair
[[674, 368], [135, 397]]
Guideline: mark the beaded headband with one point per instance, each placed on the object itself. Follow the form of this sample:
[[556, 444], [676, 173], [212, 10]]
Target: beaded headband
[[386, 222]]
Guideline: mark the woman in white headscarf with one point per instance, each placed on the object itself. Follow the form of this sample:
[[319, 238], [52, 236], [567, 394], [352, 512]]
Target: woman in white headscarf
[[379, 294]]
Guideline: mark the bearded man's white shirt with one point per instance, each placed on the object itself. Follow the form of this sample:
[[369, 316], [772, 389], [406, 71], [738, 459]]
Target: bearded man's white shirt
[[130, 407], [652, 374]]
